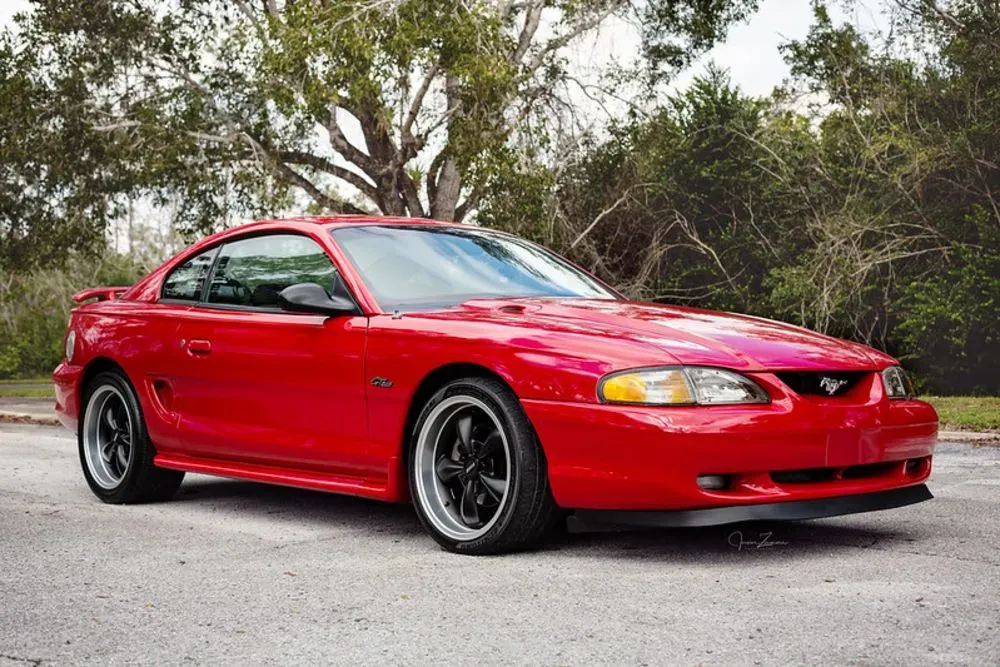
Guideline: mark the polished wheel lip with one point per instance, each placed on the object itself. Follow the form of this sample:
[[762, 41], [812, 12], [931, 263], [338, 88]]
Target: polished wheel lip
[[431, 492], [108, 446]]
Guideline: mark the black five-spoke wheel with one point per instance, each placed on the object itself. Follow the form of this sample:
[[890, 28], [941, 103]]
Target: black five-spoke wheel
[[476, 471], [115, 451], [473, 466], [107, 436]]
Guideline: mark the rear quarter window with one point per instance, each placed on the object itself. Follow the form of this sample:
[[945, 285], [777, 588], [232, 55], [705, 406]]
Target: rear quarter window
[[185, 283]]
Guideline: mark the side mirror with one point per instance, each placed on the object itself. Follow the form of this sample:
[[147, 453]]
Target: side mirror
[[311, 298]]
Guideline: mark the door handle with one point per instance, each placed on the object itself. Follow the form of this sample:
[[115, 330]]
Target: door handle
[[199, 346]]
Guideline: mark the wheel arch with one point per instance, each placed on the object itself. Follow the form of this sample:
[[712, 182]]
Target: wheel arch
[[95, 367], [430, 384]]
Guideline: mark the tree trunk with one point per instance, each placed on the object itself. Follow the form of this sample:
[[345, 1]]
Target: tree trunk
[[449, 179], [448, 189]]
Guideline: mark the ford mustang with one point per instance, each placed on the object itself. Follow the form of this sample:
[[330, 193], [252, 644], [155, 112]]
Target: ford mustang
[[498, 386]]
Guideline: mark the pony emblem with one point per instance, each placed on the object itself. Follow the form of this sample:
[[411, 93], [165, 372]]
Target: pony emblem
[[831, 385]]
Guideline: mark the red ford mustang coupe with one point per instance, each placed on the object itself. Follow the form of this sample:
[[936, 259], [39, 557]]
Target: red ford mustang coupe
[[492, 382]]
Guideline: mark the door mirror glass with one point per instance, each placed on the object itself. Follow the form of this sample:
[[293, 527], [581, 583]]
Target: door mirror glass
[[312, 298]]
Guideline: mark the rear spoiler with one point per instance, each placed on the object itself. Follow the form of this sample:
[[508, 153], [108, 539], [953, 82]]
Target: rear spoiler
[[99, 293]]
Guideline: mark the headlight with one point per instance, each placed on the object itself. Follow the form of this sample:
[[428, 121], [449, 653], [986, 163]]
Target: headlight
[[70, 345], [897, 383], [679, 385]]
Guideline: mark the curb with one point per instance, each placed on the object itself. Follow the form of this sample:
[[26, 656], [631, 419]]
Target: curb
[[27, 418], [977, 437]]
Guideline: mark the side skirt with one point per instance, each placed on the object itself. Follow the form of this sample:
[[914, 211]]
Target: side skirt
[[298, 478]]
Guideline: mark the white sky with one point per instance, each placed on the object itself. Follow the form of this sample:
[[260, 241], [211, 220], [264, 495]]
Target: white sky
[[750, 52], [8, 8]]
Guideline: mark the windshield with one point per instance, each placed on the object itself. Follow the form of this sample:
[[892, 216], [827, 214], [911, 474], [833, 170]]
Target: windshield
[[412, 268]]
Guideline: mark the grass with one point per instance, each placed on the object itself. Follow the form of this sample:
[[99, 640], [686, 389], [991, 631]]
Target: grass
[[46, 392], [44, 379], [969, 413], [19, 388]]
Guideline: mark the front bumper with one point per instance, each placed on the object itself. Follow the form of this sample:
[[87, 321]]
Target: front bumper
[[614, 457], [786, 511]]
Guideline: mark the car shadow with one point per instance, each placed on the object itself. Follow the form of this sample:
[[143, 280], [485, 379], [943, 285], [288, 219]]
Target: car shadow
[[752, 541], [301, 506], [749, 541]]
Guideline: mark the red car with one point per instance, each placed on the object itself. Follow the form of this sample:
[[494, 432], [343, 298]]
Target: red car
[[495, 384]]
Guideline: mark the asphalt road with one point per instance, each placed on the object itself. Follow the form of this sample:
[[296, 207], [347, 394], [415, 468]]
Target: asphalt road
[[239, 573]]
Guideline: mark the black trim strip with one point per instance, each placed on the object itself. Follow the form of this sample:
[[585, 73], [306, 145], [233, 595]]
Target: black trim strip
[[206, 289], [786, 511]]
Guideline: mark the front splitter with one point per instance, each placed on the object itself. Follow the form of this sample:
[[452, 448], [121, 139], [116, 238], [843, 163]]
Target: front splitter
[[783, 511]]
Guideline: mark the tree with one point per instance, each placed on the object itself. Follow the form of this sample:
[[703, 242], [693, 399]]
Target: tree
[[405, 107], [916, 128], [866, 208], [695, 202]]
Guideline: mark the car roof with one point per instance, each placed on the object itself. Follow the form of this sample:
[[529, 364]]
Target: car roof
[[345, 220], [325, 222]]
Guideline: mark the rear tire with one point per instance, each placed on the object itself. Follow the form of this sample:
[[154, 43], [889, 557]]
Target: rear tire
[[115, 451], [477, 473]]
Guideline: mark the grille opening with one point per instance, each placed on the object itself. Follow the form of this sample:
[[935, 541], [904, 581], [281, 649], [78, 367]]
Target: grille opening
[[822, 383], [806, 476], [869, 470]]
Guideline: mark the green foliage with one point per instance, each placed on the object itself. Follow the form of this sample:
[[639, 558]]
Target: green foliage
[[692, 198], [704, 22], [237, 110], [34, 310], [862, 200], [949, 320], [875, 217]]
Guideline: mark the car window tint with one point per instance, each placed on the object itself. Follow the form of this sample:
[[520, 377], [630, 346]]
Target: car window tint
[[186, 281], [253, 271]]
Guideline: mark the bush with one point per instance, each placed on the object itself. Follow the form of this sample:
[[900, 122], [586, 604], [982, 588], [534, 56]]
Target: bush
[[34, 309]]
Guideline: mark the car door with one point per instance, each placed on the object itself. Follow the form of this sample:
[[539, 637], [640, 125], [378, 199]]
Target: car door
[[260, 385]]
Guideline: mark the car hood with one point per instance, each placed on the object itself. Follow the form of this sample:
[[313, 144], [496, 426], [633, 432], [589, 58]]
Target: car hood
[[689, 336]]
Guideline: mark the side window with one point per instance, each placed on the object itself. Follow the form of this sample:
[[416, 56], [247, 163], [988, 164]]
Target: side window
[[186, 281], [251, 272]]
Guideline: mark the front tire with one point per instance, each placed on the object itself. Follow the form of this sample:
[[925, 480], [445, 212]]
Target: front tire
[[477, 473], [115, 451]]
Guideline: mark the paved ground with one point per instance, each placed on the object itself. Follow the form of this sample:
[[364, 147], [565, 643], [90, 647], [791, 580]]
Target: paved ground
[[237, 573], [33, 405]]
